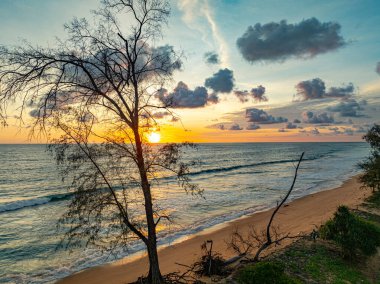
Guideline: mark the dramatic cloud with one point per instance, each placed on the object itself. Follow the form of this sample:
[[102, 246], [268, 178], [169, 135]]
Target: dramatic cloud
[[316, 89], [183, 97], [314, 118], [349, 108], [261, 117], [253, 126], [296, 120], [280, 41], [212, 58], [290, 125], [235, 127], [221, 82], [378, 68], [258, 94], [311, 89]]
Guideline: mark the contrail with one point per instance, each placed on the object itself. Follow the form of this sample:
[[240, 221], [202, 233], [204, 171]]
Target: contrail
[[191, 9]]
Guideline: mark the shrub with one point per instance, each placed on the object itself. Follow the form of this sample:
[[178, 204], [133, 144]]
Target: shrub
[[371, 166], [352, 233], [264, 273]]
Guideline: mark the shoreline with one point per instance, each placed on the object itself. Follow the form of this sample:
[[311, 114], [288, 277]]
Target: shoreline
[[299, 215]]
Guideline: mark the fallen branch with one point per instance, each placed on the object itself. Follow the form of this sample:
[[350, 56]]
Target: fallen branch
[[270, 236]]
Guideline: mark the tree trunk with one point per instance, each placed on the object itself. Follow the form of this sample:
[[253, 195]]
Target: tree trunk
[[154, 276]]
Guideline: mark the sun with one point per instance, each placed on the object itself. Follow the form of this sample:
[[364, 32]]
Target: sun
[[154, 137]]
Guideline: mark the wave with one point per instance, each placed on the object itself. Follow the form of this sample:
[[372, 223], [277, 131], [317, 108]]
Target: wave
[[20, 204], [231, 168]]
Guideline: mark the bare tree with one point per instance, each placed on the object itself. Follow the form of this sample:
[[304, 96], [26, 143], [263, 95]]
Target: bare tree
[[261, 241], [100, 85]]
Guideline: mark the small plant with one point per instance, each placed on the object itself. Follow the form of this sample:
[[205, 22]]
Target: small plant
[[265, 273], [351, 233]]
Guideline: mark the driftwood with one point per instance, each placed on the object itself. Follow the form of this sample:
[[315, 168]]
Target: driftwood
[[211, 264], [265, 239]]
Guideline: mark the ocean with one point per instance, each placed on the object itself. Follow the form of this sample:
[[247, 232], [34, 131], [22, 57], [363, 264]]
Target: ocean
[[237, 178]]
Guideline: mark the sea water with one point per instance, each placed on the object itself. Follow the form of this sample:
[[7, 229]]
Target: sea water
[[237, 179]]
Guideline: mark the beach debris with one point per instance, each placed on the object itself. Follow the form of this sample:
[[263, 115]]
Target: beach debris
[[258, 242]]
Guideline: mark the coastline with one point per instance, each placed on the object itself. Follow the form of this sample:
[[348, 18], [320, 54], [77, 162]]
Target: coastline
[[299, 215]]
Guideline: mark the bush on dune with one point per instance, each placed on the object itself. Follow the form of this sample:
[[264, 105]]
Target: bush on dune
[[371, 166], [351, 233]]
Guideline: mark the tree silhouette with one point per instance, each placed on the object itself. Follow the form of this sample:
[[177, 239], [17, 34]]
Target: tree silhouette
[[100, 85]]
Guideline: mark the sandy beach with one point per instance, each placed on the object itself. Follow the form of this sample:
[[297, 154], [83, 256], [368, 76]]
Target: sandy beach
[[301, 215]]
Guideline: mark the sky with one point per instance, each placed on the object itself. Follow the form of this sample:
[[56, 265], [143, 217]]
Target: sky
[[253, 71]]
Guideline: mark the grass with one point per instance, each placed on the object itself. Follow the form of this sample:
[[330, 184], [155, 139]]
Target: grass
[[320, 263], [265, 273], [306, 261]]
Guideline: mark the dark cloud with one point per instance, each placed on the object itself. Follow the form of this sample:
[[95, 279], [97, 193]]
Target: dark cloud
[[261, 117], [296, 120], [212, 58], [235, 127], [349, 108], [258, 94], [315, 131], [221, 82], [243, 96], [160, 114], [339, 92], [152, 60], [290, 125], [183, 97], [280, 41], [314, 118], [213, 98], [316, 89], [53, 102], [311, 89], [253, 126], [378, 68], [165, 58]]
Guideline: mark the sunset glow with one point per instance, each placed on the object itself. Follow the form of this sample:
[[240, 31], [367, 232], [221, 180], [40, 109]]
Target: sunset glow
[[154, 137]]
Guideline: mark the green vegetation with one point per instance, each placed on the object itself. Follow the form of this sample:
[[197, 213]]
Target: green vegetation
[[371, 166], [349, 233], [305, 262], [374, 200], [352, 233], [265, 273]]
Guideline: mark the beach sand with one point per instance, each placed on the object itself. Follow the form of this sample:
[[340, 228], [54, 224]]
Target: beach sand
[[301, 215]]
